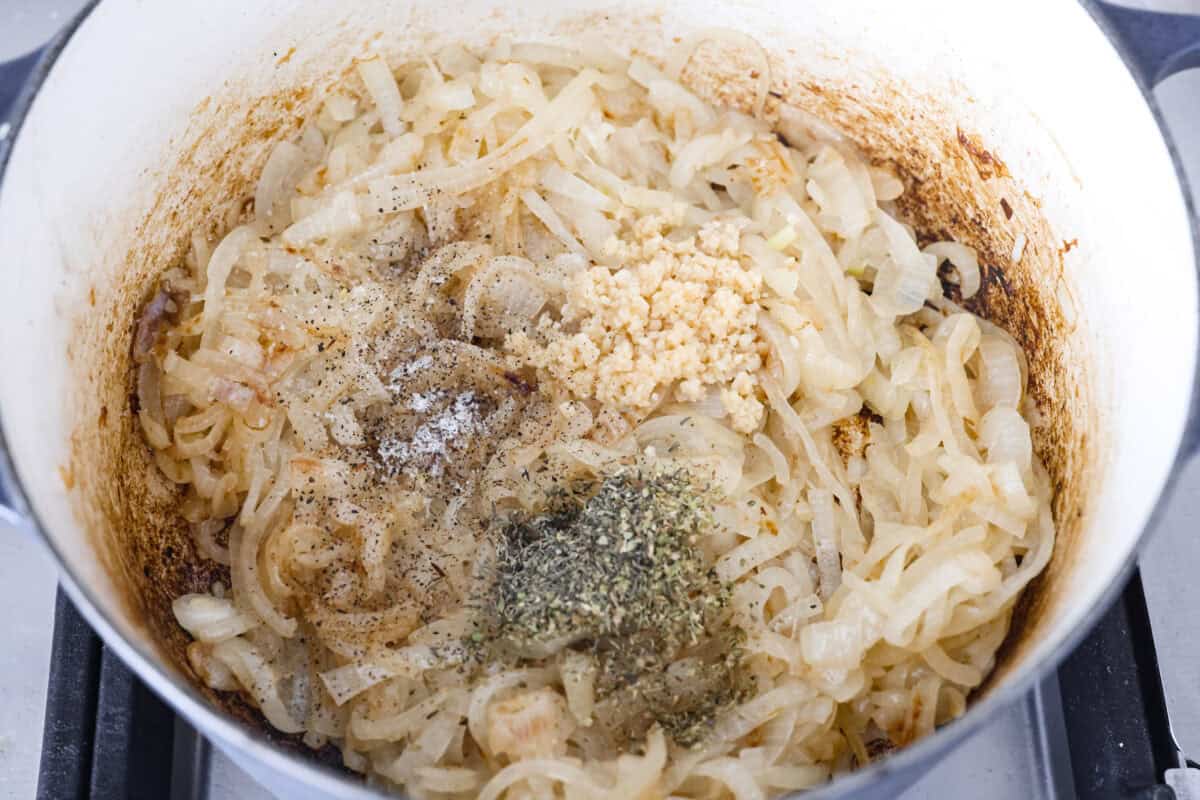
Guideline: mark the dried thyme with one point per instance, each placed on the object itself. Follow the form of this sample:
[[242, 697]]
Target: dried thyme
[[615, 568]]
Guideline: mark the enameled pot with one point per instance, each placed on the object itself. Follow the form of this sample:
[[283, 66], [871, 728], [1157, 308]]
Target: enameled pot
[[1018, 127]]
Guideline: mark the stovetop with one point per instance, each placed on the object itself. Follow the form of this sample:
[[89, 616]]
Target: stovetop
[[1110, 723]]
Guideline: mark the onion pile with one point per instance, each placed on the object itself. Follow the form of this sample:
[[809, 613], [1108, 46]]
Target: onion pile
[[331, 385]]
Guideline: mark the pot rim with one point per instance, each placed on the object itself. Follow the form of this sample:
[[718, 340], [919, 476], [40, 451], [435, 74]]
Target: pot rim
[[182, 696]]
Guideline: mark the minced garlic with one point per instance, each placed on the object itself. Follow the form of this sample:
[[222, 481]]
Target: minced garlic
[[681, 312], [745, 409]]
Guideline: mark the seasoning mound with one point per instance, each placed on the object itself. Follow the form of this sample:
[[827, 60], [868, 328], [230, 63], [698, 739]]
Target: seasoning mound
[[616, 570], [682, 311]]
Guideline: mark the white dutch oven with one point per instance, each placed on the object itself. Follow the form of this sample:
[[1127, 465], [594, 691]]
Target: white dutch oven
[[1017, 125]]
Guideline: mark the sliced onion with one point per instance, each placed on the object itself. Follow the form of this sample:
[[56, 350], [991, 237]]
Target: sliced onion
[[733, 775], [278, 181], [792, 422], [959, 335], [381, 85], [672, 97], [346, 682], [1005, 521], [825, 542], [702, 152], [639, 777], [908, 278], [578, 678], [206, 485], [150, 411], [439, 732], [648, 76], [400, 154], [786, 359], [549, 217], [1001, 382], [777, 270], [595, 457], [509, 286], [204, 533], [342, 108], [448, 780], [580, 54], [741, 720], [752, 553], [212, 671], [906, 365], [1017, 504], [340, 217], [1004, 434], [220, 264], [798, 126], [509, 85], [832, 644], [710, 405], [645, 73], [964, 260], [444, 265], [783, 238], [257, 677], [244, 546], [593, 226], [887, 186], [923, 587], [541, 769], [779, 462], [454, 95], [833, 186], [556, 179], [481, 698], [695, 435], [963, 674], [791, 617], [564, 112], [211, 619]]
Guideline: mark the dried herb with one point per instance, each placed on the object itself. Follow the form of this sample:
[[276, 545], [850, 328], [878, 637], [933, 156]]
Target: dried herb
[[685, 696], [615, 568]]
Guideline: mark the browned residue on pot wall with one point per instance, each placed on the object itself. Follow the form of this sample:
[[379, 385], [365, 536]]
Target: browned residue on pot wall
[[129, 506], [958, 188]]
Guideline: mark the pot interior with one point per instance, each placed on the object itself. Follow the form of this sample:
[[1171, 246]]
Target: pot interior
[[996, 150]]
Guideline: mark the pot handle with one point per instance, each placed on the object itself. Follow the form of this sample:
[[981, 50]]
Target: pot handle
[[1154, 44], [12, 78], [12, 511]]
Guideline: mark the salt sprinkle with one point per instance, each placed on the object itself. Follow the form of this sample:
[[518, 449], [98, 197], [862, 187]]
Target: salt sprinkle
[[407, 370], [421, 403], [433, 440]]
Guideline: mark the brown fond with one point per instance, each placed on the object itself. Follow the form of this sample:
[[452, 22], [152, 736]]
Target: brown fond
[[957, 188]]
